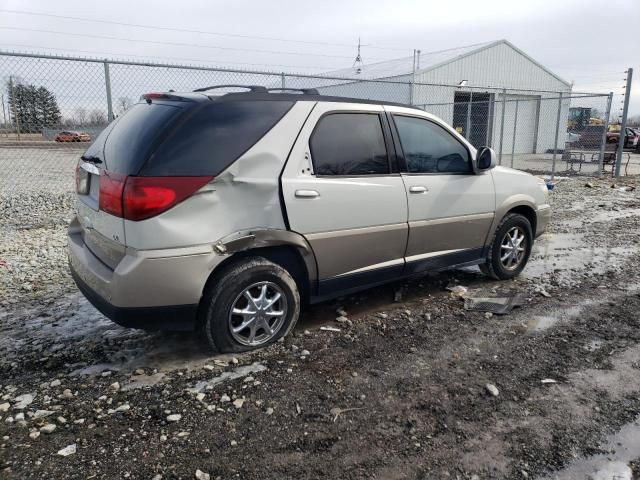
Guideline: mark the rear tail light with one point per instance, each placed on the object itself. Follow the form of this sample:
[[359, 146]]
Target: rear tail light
[[111, 188], [139, 198]]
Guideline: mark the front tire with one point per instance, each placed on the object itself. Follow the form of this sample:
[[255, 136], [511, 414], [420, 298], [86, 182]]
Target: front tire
[[510, 249], [249, 305]]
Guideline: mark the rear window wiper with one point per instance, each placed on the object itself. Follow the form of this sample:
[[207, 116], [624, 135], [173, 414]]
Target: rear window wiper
[[90, 159]]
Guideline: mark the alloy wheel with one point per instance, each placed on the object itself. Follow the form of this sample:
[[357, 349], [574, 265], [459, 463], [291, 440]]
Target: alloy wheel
[[513, 248], [258, 313]]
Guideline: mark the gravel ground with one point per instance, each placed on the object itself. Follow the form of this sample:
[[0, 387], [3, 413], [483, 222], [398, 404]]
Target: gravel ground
[[418, 387]]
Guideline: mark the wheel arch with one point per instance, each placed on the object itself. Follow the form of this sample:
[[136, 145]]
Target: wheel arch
[[288, 249], [528, 212], [519, 203]]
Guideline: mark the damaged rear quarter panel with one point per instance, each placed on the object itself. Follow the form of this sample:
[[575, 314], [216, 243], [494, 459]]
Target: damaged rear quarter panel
[[244, 196]]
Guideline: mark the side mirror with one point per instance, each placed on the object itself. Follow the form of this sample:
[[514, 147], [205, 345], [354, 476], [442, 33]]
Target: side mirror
[[485, 159]]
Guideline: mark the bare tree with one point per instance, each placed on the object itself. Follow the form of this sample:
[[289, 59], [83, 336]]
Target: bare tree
[[97, 117], [124, 103], [80, 116]]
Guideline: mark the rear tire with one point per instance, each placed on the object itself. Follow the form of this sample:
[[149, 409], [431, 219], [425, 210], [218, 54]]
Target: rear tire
[[510, 248], [249, 305]]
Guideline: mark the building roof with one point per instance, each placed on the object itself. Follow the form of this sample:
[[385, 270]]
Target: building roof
[[404, 65], [427, 61]]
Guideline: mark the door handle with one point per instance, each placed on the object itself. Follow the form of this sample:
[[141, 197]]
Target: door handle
[[307, 194], [418, 189]]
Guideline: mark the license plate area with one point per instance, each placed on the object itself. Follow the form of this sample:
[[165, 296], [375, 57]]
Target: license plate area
[[88, 184], [82, 182]]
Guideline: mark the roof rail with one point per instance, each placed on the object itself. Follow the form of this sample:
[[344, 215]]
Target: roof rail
[[253, 88], [305, 91]]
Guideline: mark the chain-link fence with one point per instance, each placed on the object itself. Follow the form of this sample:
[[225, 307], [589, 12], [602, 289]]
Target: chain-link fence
[[548, 133], [53, 106]]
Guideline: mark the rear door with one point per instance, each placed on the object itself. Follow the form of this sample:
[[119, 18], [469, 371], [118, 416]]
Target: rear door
[[450, 207], [341, 192]]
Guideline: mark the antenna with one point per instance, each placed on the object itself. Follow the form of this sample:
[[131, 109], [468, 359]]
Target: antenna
[[358, 60]]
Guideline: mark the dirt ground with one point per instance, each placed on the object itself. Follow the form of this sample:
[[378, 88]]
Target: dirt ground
[[399, 392]]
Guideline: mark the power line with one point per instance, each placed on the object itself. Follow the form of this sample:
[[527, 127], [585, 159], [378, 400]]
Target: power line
[[175, 44], [174, 29], [610, 77], [148, 57]]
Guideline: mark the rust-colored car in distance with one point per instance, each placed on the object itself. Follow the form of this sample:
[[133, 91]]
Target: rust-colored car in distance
[[70, 136]]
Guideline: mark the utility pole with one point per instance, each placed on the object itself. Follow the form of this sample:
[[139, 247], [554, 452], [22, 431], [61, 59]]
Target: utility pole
[[623, 124], [107, 83], [358, 59], [414, 68]]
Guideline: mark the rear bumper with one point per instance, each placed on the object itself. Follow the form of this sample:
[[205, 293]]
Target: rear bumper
[[543, 215], [151, 289], [177, 317]]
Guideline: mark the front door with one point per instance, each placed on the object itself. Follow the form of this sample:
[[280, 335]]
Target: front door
[[450, 207], [340, 193]]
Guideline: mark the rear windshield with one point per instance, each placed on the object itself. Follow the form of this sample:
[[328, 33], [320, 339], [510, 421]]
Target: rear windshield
[[124, 145], [213, 136], [134, 134]]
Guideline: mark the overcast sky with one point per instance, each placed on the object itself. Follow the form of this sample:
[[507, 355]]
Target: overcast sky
[[590, 42]]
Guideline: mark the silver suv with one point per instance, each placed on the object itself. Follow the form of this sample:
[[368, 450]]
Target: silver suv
[[226, 213]]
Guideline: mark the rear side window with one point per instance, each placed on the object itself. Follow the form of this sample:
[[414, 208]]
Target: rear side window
[[130, 139], [349, 144], [429, 148], [213, 136]]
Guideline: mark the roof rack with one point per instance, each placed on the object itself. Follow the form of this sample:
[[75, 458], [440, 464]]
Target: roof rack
[[253, 88], [305, 91]]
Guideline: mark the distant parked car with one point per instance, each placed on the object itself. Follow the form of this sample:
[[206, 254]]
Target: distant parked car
[[635, 143], [631, 137], [590, 137], [71, 136]]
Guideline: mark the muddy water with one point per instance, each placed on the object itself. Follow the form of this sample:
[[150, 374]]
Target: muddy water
[[563, 254], [616, 214], [621, 448], [558, 315]]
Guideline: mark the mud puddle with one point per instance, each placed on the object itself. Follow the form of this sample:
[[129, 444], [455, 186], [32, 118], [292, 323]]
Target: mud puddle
[[559, 315], [562, 254], [162, 352], [612, 215], [620, 449]]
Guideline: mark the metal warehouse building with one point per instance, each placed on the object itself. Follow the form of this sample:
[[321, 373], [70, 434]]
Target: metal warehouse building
[[468, 87]]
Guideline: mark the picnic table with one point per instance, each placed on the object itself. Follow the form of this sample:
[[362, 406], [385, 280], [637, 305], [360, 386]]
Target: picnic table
[[576, 154]]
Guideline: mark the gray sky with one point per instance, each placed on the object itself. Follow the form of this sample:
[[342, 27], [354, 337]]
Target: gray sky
[[591, 42]]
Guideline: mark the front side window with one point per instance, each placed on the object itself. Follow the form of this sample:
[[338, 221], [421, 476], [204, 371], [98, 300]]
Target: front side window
[[349, 144], [429, 148]]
